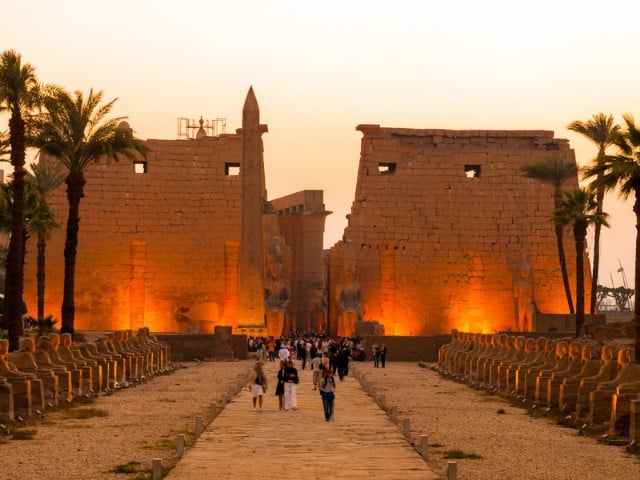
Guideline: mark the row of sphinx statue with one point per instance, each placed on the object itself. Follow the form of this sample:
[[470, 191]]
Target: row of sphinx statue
[[592, 383], [53, 369]]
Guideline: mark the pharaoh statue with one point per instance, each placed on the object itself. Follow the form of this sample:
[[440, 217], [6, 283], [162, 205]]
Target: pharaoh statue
[[348, 295], [523, 297], [276, 290]]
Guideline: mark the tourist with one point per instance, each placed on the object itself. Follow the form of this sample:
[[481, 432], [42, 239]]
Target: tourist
[[383, 354], [283, 353], [271, 349], [327, 389], [375, 350], [257, 385], [316, 368], [281, 382], [342, 362], [290, 386]]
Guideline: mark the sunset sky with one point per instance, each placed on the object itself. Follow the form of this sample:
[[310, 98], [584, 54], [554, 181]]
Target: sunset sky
[[321, 68]]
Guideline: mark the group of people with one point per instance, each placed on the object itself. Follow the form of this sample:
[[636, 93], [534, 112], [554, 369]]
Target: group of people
[[379, 353], [287, 385]]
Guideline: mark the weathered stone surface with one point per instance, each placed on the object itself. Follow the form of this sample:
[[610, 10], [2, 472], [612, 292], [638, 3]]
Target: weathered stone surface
[[442, 218]]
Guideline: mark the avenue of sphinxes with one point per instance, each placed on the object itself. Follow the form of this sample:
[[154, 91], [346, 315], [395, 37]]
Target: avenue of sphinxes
[[444, 232]]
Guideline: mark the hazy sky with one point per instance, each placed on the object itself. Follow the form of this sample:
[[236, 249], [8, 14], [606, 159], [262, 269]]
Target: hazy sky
[[321, 68]]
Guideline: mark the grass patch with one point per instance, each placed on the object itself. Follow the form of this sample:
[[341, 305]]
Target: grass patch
[[459, 454], [85, 413], [162, 444], [131, 467], [436, 445], [167, 400], [27, 434], [501, 411]]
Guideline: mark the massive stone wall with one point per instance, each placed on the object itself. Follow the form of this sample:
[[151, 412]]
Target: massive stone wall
[[152, 239], [440, 223]]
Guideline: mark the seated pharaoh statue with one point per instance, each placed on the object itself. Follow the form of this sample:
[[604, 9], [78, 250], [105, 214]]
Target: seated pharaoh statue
[[24, 361], [348, 295], [20, 383], [276, 290]]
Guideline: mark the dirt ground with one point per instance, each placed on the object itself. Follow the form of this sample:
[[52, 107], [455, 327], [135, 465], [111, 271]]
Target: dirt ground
[[125, 431]]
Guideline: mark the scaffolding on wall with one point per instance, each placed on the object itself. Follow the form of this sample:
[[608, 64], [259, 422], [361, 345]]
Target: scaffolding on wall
[[188, 128]]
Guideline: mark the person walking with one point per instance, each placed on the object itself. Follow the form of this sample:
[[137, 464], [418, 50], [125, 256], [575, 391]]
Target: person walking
[[375, 350], [257, 385], [383, 355], [291, 387], [316, 368], [280, 386], [327, 392]]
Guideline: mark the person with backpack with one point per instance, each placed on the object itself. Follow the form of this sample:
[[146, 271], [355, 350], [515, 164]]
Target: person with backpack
[[327, 392]]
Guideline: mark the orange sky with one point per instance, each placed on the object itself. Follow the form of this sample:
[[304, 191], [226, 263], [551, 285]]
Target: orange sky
[[320, 69]]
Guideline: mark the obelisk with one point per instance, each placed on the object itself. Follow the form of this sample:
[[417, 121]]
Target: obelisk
[[251, 288]]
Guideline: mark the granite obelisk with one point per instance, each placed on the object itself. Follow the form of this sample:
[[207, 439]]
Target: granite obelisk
[[251, 275]]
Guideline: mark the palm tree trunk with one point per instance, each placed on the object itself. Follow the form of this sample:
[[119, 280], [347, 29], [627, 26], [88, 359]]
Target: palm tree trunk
[[636, 301], [563, 267], [75, 191], [40, 274], [15, 273], [596, 240], [579, 234]]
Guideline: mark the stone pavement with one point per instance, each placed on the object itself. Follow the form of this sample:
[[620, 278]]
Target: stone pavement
[[360, 442]]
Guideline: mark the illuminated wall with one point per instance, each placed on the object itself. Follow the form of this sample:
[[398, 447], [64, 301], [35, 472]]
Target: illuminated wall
[[152, 239], [440, 222]]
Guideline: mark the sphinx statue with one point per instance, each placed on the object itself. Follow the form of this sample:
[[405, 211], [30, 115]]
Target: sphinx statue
[[65, 376], [24, 361], [21, 383], [568, 389]]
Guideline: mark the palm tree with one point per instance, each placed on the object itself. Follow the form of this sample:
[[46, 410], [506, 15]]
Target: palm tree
[[47, 176], [579, 209], [19, 95], [601, 130], [623, 171], [76, 131], [556, 173]]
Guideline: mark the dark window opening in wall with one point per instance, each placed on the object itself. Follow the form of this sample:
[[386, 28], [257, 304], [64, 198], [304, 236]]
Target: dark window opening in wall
[[472, 171], [231, 169], [140, 167], [386, 168]]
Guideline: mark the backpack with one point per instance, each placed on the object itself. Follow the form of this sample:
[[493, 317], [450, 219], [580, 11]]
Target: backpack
[[328, 387]]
